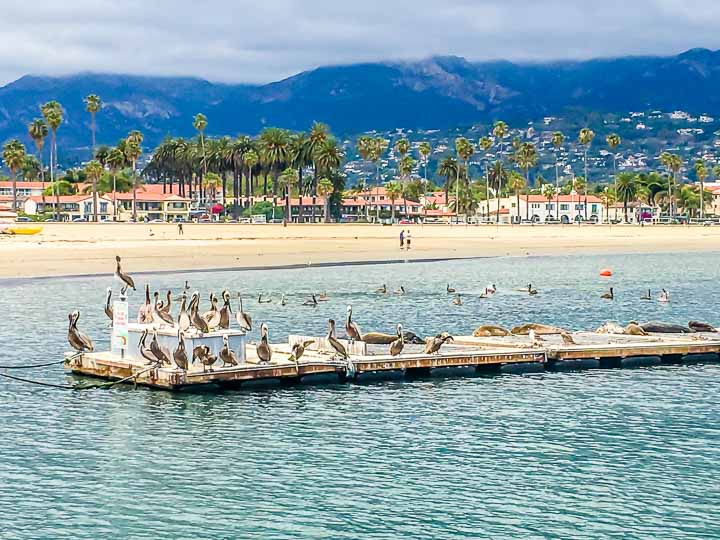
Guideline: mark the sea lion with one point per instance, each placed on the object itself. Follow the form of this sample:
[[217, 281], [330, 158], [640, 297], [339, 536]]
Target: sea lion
[[378, 338], [657, 327], [490, 330], [634, 329], [698, 326], [539, 329]]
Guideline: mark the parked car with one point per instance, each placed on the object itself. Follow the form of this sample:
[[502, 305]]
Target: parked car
[[405, 222], [80, 220], [156, 221], [22, 219]]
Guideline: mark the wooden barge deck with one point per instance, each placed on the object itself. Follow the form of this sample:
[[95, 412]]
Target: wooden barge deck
[[511, 354]]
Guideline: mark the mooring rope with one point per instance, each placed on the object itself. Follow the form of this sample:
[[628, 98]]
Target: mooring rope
[[41, 383], [35, 366], [77, 386]]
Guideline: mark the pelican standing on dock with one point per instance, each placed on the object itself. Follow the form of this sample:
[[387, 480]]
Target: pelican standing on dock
[[351, 328], [244, 320], [227, 355], [195, 319], [180, 354], [77, 339], [108, 305], [212, 317], [145, 313], [334, 343], [264, 352], [167, 305], [225, 311], [122, 276], [299, 349], [145, 351], [158, 351], [432, 345], [183, 316], [159, 314], [397, 346]]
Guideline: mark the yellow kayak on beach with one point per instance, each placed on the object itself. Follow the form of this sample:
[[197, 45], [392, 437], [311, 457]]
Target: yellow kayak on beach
[[25, 230]]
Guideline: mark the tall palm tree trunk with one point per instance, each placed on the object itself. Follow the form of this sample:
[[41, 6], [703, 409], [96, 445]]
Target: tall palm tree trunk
[[56, 188]]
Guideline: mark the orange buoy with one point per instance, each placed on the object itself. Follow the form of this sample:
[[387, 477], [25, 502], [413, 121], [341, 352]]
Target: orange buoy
[[606, 272]]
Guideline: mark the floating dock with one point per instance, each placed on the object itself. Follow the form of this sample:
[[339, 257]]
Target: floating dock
[[510, 354]]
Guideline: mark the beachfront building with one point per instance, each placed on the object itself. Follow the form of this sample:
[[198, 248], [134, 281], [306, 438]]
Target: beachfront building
[[537, 208], [151, 205], [24, 190], [71, 207]]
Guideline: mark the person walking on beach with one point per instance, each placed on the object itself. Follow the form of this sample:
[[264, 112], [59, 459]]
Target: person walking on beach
[[180, 229], [402, 238], [407, 240]]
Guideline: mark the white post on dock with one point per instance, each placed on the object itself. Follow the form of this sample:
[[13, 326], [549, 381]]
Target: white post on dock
[[120, 326]]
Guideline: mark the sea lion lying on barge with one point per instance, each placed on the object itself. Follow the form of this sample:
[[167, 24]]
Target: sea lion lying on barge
[[657, 327], [539, 329], [490, 330], [698, 326], [378, 338]]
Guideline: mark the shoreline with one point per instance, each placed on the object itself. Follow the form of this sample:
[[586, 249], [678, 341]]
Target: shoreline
[[84, 250]]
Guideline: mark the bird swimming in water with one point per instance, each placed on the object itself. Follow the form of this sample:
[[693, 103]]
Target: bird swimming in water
[[108, 305], [227, 355], [122, 276], [225, 311], [401, 291], [158, 352], [145, 313], [195, 319], [664, 296], [76, 338], [183, 316], [186, 290], [262, 300], [299, 349], [610, 295], [311, 302], [244, 320], [351, 328], [382, 290], [334, 343], [457, 300], [397, 346], [180, 354], [433, 344], [492, 289], [283, 302], [263, 350], [647, 296], [530, 290], [323, 297], [449, 289]]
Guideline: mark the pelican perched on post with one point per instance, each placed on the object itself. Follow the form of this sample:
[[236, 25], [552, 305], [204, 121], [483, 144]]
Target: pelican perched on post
[[334, 343], [159, 313], [122, 276], [397, 346], [77, 339], [225, 311], [227, 355], [432, 345], [158, 352], [263, 349], [183, 316], [351, 328], [145, 313], [108, 305], [244, 320], [195, 319], [180, 354]]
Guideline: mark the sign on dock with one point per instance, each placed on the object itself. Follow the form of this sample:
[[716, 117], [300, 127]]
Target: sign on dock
[[120, 326]]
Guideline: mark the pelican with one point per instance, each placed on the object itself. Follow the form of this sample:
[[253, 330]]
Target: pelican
[[567, 338], [195, 319], [243, 319], [457, 300], [530, 289], [180, 354], [664, 296], [299, 349], [535, 340], [200, 352], [122, 276], [183, 317], [283, 302], [186, 289], [312, 301], [334, 343], [610, 295], [432, 345], [401, 291], [167, 305], [647, 296], [397, 346], [212, 317], [144, 351], [225, 311], [227, 355], [323, 297], [264, 352], [77, 339], [159, 352], [261, 300], [492, 289], [382, 290], [159, 314], [108, 305], [449, 289], [145, 314], [351, 328]]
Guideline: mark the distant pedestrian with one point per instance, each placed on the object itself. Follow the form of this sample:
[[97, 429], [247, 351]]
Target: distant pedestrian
[[402, 239], [180, 229], [407, 240]]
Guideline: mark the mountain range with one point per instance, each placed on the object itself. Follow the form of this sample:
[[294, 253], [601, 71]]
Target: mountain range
[[436, 93]]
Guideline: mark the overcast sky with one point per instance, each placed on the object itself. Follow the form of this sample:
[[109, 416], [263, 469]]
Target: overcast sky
[[265, 40]]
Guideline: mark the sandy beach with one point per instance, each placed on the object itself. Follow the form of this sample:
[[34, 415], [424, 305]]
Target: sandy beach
[[80, 249]]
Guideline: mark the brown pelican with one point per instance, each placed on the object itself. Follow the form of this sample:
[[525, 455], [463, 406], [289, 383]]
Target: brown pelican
[[186, 289], [401, 291], [243, 319], [167, 305], [311, 302], [212, 317], [396, 346], [183, 316], [227, 355], [530, 289], [535, 340], [334, 343], [144, 351], [262, 300], [664, 296], [382, 290], [323, 297], [145, 314], [567, 338], [647, 296], [122, 276], [225, 311], [159, 314], [432, 345], [108, 305], [610, 295], [457, 300], [492, 289], [264, 352], [77, 339], [449, 289], [283, 302], [195, 319], [180, 354], [159, 352], [200, 352], [299, 349], [351, 328]]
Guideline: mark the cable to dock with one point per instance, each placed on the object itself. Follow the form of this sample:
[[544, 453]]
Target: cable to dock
[[35, 366], [77, 386]]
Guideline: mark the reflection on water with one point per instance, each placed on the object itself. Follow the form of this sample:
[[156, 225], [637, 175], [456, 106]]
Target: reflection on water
[[581, 455]]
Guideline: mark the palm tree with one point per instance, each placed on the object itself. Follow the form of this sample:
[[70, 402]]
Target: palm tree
[[613, 141], [200, 123], [500, 131], [485, 143], [526, 157], [14, 155], [585, 138], [673, 163], [627, 189], [701, 173], [402, 147], [288, 180], [464, 150], [93, 103], [608, 197], [579, 186], [38, 131], [557, 141], [133, 151], [94, 171], [498, 176], [378, 148], [275, 153], [548, 191], [251, 160], [425, 150], [394, 192], [325, 189], [448, 168], [53, 114], [517, 183], [116, 160]]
